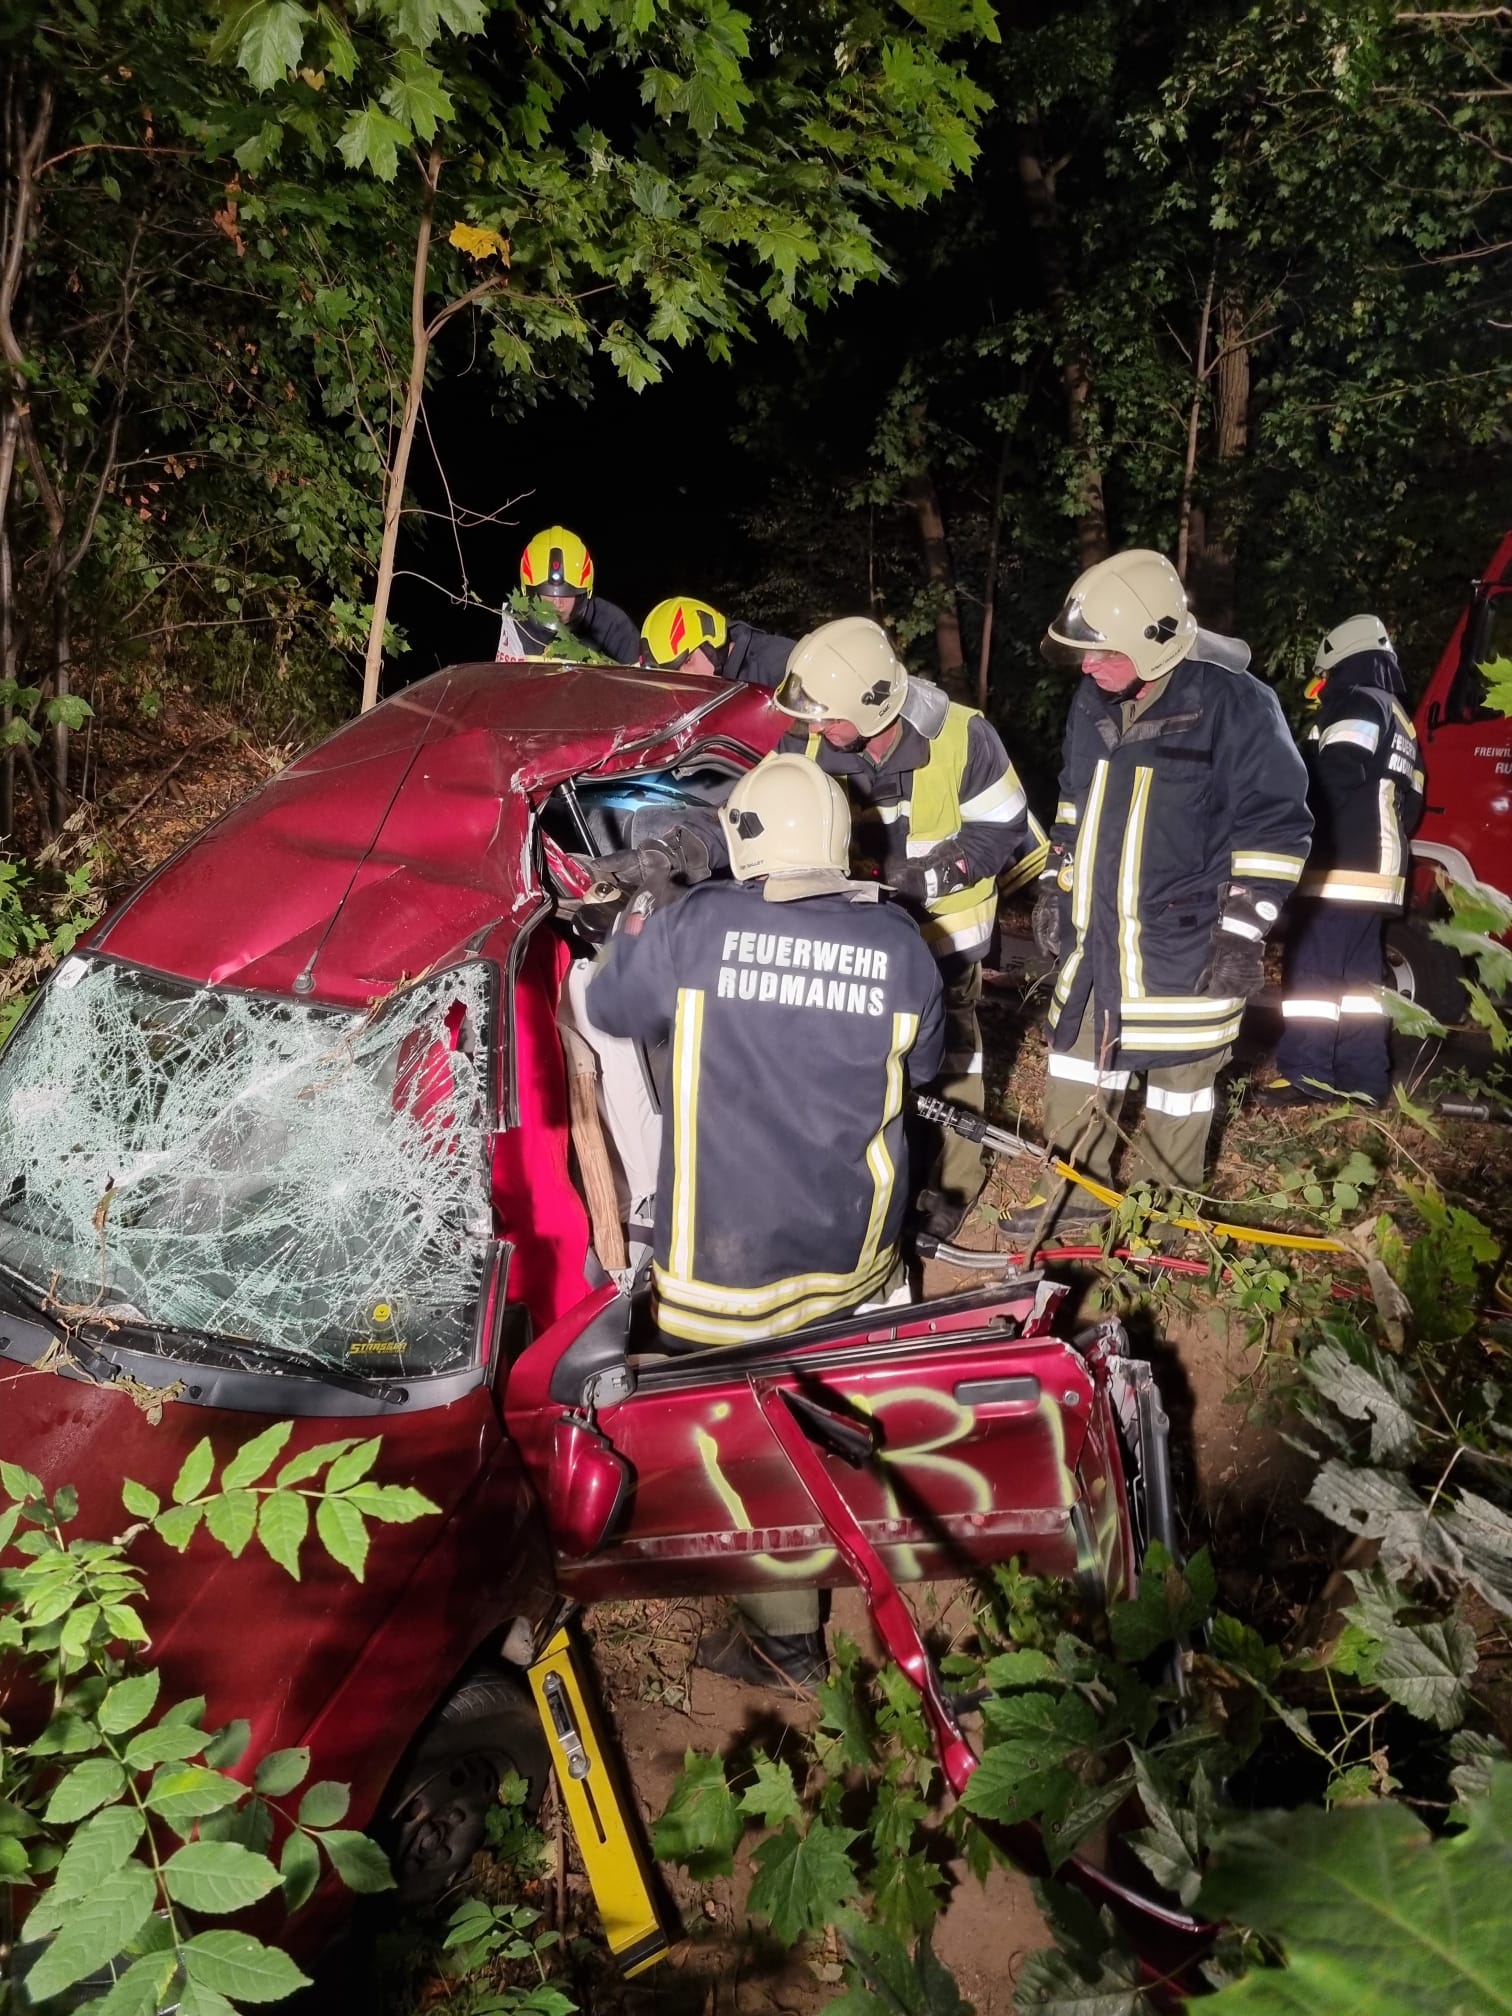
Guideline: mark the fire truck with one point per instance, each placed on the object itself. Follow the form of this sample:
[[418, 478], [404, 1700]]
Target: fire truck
[[1466, 830]]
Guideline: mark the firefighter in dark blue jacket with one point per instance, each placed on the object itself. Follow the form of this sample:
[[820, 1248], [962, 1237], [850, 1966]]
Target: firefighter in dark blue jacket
[[556, 569], [799, 1007], [1365, 787], [1181, 829], [685, 634]]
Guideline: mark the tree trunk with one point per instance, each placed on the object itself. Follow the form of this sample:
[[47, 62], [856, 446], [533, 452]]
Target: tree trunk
[[9, 432], [1213, 558], [920, 490], [1038, 183], [1194, 425], [398, 469], [989, 586], [62, 660]]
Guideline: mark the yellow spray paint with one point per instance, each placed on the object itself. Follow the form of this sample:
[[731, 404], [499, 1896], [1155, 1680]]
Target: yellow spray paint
[[802, 1565]]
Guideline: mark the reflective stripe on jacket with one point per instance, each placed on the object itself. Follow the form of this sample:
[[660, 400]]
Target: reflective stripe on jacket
[[1365, 787], [794, 1027], [1168, 822], [947, 779]]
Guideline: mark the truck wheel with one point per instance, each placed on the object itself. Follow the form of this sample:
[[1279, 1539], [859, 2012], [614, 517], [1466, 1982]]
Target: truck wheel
[[433, 1819], [1424, 971]]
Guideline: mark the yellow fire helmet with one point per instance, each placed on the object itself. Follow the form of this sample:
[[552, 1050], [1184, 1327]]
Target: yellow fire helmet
[[845, 671], [677, 628], [1132, 603], [556, 562]]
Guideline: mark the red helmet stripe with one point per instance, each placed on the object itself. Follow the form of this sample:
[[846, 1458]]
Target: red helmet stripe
[[525, 567], [587, 568], [678, 631]]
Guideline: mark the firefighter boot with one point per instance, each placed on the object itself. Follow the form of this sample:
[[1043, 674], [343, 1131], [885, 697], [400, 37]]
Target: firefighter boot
[[1073, 1218], [773, 1638]]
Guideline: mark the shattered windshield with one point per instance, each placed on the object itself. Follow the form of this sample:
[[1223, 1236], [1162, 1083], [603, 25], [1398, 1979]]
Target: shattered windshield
[[314, 1182]]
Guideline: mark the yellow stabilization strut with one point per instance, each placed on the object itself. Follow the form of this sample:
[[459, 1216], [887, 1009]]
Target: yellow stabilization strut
[[610, 1845]]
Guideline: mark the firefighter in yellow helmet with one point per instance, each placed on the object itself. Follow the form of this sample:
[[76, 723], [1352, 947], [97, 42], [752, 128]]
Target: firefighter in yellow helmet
[[1182, 828], [556, 569], [941, 816], [686, 634], [781, 1197]]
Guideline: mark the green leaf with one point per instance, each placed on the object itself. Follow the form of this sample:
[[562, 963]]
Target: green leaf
[[163, 1743], [344, 1533], [97, 1928], [905, 1893], [774, 1797], [236, 1964], [198, 1467], [358, 1861], [129, 1702], [842, 1711], [1090, 1971], [699, 1826], [1171, 1846], [418, 21], [1371, 1911], [1426, 1666], [417, 96], [232, 1520], [1035, 1764], [324, 1804], [397, 1504], [299, 1870], [253, 1458], [197, 2000], [280, 1771], [228, 1745], [1171, 1603], [803, 1881], [282, 1525], [372, 139], [463, 17], [1019, 1669], [306, 1462], [272, 41], [217, 1876], [139, 1500], [97, 1850], [1366, 1388], [891, 1982], [87, 1786], [186, 1795], [178, 1525], [140, 1990], [19, 1485]]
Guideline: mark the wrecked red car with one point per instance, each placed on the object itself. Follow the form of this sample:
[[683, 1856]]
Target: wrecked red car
[[315, 1065]]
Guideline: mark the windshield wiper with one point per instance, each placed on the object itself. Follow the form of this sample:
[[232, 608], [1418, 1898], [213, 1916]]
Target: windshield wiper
[[223, 1352]]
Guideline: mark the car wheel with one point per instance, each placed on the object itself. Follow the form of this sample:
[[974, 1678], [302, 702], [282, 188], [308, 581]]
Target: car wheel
[[433, 1823], [1426, 972]]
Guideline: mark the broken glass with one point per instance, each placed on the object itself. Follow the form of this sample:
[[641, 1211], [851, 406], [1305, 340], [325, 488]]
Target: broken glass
[[312, 1181]]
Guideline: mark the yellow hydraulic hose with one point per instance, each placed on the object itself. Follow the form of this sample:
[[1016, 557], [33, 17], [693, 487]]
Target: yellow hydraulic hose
[[1301, 1242]]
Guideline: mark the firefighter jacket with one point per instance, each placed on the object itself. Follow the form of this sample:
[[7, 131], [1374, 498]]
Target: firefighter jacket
[[1365, 785], [602, 624], [793, 1027], [758, 657], [1179, 815], [946, 779]]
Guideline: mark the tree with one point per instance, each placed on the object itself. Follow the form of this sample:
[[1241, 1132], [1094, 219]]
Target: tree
[[632, 178]]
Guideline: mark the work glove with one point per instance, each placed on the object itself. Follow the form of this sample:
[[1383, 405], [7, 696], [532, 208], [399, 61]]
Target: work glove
[[1047, 920], [681, 855], [941, 872], [1236, 969]]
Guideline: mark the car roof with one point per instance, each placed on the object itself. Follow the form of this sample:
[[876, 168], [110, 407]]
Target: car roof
[[404, 839]]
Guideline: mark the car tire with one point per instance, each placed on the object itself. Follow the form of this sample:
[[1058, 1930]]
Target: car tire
[[1427, 973], [433, 1821]]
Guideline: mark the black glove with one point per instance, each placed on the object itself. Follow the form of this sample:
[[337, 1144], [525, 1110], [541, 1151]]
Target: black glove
[[1236, 969], [1047, 920], [653, 865], [938, 873]]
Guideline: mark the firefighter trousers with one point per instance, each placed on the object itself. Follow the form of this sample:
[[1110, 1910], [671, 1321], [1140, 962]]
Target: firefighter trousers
[[1336, 1032], [958, 1171], [1082, 1105]]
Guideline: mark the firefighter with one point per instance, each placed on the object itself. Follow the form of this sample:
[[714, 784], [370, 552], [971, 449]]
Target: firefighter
[[557, 569], [1365, 788], [1181, 829], [797, 1005], [684, 634], [941, 816]]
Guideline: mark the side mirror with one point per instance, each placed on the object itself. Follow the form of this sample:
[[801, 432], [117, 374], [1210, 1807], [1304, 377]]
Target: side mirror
[[586, 1488]]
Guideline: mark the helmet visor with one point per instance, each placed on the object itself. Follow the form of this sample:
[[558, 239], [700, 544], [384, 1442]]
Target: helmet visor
[[793, 697], [1071, 636]]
